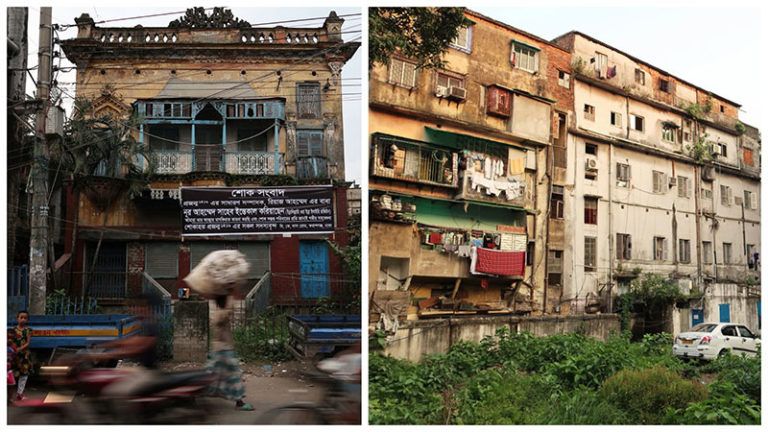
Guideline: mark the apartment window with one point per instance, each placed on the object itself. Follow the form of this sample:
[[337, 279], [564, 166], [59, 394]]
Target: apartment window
[[463, 40], [402, 73], [668, 133], [623, 174], [684, 251], [498, 101], [706, 193], [530, 250], [623, 246], [616, 119], [725, 195], [727, 253], [640, 77], [722, 109], [589, 112], [659, 249], [749, 200], [590, 210], [162, 260], [601, 65], [590, 149], [664, 85], [751, 256], [525, 57], [706, 251], [557, 203], [564, 79], [683, 187], [748, 157], [308, 100], [723, 150], [590, 254], [555, 267], [636, 122], [660, 184], [445, 81], [686, 136], [309, 143]]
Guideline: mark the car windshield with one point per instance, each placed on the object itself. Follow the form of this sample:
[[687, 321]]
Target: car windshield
[[704, 328]]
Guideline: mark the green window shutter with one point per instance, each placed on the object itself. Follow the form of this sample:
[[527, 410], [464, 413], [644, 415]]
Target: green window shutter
[[257, 254], [162, 260]]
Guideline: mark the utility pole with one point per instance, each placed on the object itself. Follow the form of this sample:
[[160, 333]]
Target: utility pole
[[38, 251]]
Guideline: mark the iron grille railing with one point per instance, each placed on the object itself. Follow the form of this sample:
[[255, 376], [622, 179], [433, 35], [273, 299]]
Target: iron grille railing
[[253, 163], [172, 162], [104, 285], [404, 160]]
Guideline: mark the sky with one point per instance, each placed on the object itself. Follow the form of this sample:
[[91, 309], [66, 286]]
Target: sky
[[716, 48], [351, 73]]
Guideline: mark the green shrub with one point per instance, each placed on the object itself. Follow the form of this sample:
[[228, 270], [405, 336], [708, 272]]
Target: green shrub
[[398, 393], [647, 394], [262, 338], [725, 405], [503, 396], [582, 406], [742, 372]]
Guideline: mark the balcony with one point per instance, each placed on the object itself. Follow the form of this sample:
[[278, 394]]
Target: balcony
[[412, 161], [210, 159], [253, 163], [172, 162]]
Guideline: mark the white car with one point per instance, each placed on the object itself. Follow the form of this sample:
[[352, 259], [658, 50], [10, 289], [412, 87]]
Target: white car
[[710, 340]]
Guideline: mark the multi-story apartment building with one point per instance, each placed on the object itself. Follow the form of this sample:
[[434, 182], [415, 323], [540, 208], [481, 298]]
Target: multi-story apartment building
[[221, 104], [459, 184], [660, 177]]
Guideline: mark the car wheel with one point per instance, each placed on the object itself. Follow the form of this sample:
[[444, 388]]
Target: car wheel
[[722, 353]]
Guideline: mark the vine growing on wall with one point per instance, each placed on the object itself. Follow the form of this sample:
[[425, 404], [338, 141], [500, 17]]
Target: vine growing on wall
[[700, 151]]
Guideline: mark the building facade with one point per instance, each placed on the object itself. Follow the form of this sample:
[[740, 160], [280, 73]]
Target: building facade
[[459, 183], [220, 103], [661, 178]]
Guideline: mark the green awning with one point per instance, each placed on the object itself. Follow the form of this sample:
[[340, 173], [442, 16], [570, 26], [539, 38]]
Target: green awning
[[461, 141]]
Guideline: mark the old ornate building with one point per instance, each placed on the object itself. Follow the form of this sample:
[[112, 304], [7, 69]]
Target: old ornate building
[[220, 103]]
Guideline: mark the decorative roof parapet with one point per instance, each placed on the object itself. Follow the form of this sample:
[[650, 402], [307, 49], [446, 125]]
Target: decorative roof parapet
[[220, 18]]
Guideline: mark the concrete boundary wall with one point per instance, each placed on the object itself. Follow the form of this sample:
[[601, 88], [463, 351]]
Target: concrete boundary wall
[[416, 339]]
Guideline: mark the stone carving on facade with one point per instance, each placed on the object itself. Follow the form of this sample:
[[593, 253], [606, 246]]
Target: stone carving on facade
[[290, 138], [335, 72], [110, 104], [220, 18], [329, 138]]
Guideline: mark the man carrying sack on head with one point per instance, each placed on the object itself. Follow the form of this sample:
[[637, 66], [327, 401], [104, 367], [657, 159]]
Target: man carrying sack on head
[[217, 276]]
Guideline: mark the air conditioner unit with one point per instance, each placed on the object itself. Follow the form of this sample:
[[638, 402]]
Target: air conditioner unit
[[442, 92], [590, 164], [716, 150], [672, 181], [457, 93]]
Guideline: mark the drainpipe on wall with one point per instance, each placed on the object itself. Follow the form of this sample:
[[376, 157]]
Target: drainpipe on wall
[[698, 212], [610, 227], [744, 238]]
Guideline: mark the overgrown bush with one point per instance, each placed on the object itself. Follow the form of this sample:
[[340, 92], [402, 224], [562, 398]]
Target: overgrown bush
[[742, 372], [399, 394], [726, 405], [647, 394], [262, 338]]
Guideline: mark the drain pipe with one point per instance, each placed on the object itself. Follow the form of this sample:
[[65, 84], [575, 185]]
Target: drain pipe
[[610, 228]]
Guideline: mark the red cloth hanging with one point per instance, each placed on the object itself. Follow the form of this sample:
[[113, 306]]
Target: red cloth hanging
[[500, 263]]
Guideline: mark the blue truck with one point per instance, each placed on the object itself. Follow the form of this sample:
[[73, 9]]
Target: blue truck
[[52, 332], [313, 336]]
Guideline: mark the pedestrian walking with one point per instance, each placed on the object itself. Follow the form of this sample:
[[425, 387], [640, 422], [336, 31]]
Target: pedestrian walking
[[217, 277], [19, 340]]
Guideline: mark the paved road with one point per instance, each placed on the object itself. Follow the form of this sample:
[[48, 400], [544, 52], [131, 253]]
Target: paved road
[[264, 390]]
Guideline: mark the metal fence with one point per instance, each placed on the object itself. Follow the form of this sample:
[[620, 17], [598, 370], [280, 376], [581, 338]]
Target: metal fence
[[18, 289], [65, 305]]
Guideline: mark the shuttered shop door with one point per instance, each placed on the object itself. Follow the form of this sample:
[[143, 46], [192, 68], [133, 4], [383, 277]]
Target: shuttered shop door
[[257, 254], [198, 250], [162, 260]]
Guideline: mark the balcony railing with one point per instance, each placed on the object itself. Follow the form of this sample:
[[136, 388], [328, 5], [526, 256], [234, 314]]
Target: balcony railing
[[253, 163], [404, 160], [172, 162], [309, 167]]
